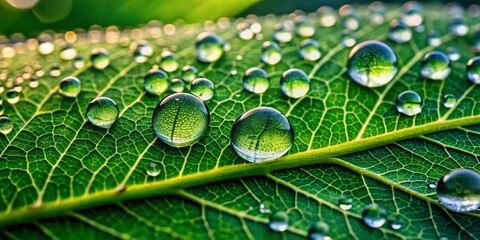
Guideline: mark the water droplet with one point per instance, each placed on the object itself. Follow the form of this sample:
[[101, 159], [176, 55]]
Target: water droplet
[[181, 119], [433, 39], [476, 42], [55, 70], [449, 100], [351, 22], [45, 46], [177, 85], [473, 70], [304, 26], [68, 52], [153, 169], [141, 50], [377, 12], [327, 16], [203, 88], [168, 61], [372, 64], [435, 65], [278, 221], [432, 185], [318, 231], [13, 96], [233, 71], [189, 73], [256, 80], [271, 54], [345, 202], [265, 208], [99, 58], [248, 29], [6, 125], [374, 216], [261, 134], [413, 14], [294, 83], [395, 221], [282, 34], [348, 38], [459, 190], [458, 27], [209, 47], [79, 62], [399, 32], [102, 112], [2, 109], [409, 103], [33, 83], [309, 50], [155, 81], [69, 87], [453, 54]]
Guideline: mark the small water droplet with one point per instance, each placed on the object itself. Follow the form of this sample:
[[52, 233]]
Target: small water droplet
[[168, 61], [399, 32], [256, 80], [102, 112], [13, 96], [345, 202], [309, 50], [99, 58], [473, 70], [278, 221], [459, 190], [33, 83], [395, 221], [348, 38], [294, 83], [304, 26], [412, 14], [68, 52], [282, 34], [449, 100], [453, 54], [155, 81], [45, 44], [203, 88], [239, 57], [140, 50], [432, 185], [458, 27], [79, 62], [351, 22], [177, 85], [374, 216], [433, 39], [318, 231], [261, 134], [70, 87], [271, 53], [181, 119], [409, 103], [233, 71], [265, 208], [209, 47], [377, 11], [6, 125], [327, 16], [153, 169], [435, 65], [55, 70], [189, 73]]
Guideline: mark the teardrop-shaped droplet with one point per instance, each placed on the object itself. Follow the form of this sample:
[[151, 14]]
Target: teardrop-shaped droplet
[[459, 190], [458, 27], [271, 53], [327, 16], [261, 134], [399, 32], [449, 100], [141, 50], [435, 65], [102, 112], [189, 73], [6, 125], [209, 47], [453, 54], [304, 27], [256, 80], [318, 231], [409, 103], [155, 81], [69, 87], [345, 202], [374, 216], [309, 50], [282, 34], [177, 85], [203, 88], [99, 58], [294, 83], [372, 64], [153, 169], [473, 70], [181, 119], [395, 221], [278, 221], [68, 52], [13, 96]]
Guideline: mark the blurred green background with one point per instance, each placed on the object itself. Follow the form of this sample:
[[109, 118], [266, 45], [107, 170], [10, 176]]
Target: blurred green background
[[30, 17]]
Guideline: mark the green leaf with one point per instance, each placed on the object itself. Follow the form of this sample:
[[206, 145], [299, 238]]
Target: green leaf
[[61, 177]]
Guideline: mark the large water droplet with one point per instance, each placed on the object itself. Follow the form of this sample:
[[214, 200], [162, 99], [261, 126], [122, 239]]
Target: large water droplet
[[459, 190], [141, 51], [453, 54], [177, 85], [189, 73], [345, 202], [409, 103], [435, 65], [395, 221], [372, 64], [13, 96], [309, 50], [68, 52], [271, 54], [374, 216], [203, 88], [261, 134], [181, 119], [69, 87], [6, 125], [153, 169], [458, 27], [304, 26], [278, 221], [327, 16], [318, 231], [473, 70], [256, 80], [155, 81], [294, 83], [399, 32], [99, 58], [282, 34], [449, 100], [168, 61], [209, 47], [102, 112]]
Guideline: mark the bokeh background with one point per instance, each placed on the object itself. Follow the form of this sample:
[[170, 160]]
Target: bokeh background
[[30, 17]]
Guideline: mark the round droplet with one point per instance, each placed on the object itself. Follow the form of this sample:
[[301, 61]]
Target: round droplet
[[318, 231], [309, 50], [458, 27], [177, 85], [155, 81], [449, 100], [33, 83], [351, 22], [271, 54], [304, 27], [209, 47], [181, 119], [189, 73], [345, 203], [282, 34], [6, 125], [433, 39], [395, 221], [203, 88], [459, 190], [99, 58], [265, 208], [377, 11], [409, 103], [435, 65], [45, 46], [453, 54], [261, 134], [294, 83], [168, 62], [327, 16], [256, 80], [78, 62], [278, 221], [413, 17], [374, 216], [70, 87], [348, 38], [473, 70], [372, 64], [13, 96], [153, 169], [55, 70], [68, 52], [102, 112], [141, 50], [432, 185], [399, 32]]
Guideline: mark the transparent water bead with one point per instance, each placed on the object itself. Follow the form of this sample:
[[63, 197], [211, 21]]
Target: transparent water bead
[[78, 62], [181, 119], [278, 221], [309, 50], [168, 61], [351, 22], [203, 88], [68, 52], [409, 103], [140, 50], [453, 54], [374, 216], [372, 64], [399, 32], [473, 70], [177, 85], [256, 80], [45, 44], [6, 125], [265, 208], [155, 81], [13, 96], [449, 100], [318, 231], [459, 190], [432, 185], [327, 16], [189, 73], [294, 83], [153, 169], [261, 134], [433, 39], [209, 47], [345, 202], [282, 34], [435, 65], [304, 27], [271, 53], [395, 221], [99, 58], [55, 70], [102, 112], [458, 27], [377, 12], [348, 38], [70, 87], [412, 14]]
